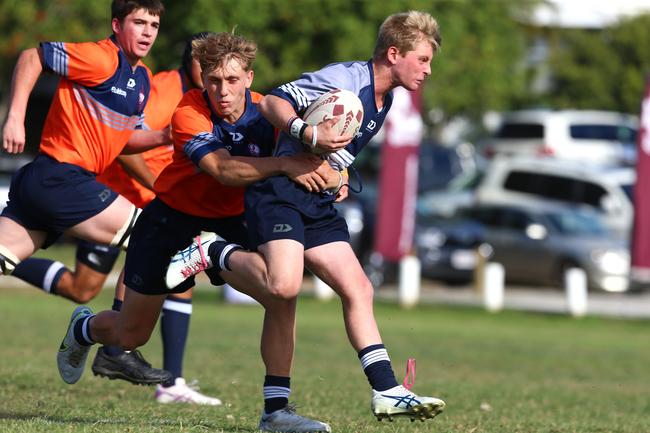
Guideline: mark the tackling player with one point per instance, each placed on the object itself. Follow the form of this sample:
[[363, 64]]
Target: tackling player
[[289, 225], [222, 144]]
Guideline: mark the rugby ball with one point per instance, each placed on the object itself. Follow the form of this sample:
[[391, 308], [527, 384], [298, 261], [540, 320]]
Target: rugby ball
[[337, 102]]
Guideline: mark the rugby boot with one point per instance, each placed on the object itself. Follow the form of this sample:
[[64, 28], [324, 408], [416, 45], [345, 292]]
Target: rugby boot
[[286, 420], [129, 366], [400, 402]]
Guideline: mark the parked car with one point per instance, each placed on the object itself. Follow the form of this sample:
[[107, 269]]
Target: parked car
[[599, 137], [448, 248], [521, 180], [538, 243]]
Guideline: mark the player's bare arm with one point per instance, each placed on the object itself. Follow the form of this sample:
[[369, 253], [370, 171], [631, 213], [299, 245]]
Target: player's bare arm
[[28, 68], [308, 170], [143, 140], [137, 168], [279, 111]]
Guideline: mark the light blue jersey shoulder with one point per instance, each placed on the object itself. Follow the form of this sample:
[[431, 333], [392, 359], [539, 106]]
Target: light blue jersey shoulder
[[356, 77]]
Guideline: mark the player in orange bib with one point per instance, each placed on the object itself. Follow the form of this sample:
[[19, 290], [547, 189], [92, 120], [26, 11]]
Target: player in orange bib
[[98, 105]]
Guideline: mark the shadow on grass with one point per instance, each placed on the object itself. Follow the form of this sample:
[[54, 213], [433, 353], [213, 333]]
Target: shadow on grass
[[99, 421]]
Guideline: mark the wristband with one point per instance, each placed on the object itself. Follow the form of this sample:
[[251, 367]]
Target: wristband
[[338, 188], [314, 136], [297, 127]]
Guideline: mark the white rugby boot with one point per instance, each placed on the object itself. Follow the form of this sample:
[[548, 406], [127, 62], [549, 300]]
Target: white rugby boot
[[399, 401], [286, 420], [71, 358], [182, 392], [191, 260]]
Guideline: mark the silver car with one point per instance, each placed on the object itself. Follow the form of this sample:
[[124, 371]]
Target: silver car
[[537, 244]]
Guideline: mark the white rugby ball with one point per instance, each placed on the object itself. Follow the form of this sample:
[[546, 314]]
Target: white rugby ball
[[337, 102]]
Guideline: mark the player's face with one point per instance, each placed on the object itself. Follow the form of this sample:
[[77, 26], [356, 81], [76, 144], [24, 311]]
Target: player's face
[[226, 87], [411, 68], [136, 33]]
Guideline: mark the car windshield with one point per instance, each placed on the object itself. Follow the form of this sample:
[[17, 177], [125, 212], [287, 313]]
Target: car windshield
[[576, 223]]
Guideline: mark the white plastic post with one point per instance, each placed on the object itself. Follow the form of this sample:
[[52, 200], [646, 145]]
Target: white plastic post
[[322, 291], [234, 296], [409, 281], [493, 282], [575, 285]]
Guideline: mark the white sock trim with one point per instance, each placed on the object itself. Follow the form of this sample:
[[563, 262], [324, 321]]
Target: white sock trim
[[179, 307], [84, 330], [50, 274], [224, 254], [276, 392], [374, 356]]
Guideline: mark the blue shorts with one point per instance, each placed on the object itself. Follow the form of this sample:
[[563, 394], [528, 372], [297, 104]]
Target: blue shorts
[[159, 233], [98, 257], [278, 208], [51, 196]]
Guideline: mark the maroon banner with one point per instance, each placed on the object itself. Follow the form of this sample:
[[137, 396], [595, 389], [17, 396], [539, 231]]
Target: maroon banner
[[398, 178], [641, 233]]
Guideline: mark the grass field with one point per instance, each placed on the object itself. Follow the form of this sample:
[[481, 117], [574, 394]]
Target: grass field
[[511, 372]]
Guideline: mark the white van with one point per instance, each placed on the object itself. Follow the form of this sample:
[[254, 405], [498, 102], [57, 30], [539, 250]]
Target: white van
[[520, 180], [597, 137]]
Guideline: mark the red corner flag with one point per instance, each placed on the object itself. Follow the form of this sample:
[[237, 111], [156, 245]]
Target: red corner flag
[[399, 176], [641, 233]]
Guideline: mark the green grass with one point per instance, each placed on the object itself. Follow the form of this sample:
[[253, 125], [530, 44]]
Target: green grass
[[511, 372]]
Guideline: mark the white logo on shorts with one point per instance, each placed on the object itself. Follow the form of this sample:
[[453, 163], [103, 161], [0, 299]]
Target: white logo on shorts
[[94, 259], [282, 228]]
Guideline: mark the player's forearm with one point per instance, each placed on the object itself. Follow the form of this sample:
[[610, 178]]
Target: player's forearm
[[28, 69], [137, 168], [277, 111], [239, 170], [141, 140]]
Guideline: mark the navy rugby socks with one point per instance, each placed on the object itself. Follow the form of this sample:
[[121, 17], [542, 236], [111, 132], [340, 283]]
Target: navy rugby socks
[[376, 364], [174, 329], [276, 393], [42, 273]]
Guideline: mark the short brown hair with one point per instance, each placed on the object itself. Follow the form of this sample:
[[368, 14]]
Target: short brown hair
[[216, 49], [403, 30], [121, 8]]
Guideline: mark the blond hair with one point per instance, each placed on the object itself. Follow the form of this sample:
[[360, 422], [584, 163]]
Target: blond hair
[[404, 30], [215, 50]]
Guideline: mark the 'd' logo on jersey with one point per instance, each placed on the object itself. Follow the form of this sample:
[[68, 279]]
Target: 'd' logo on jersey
[[236, 137], [253, 149], [130, 84], [371, 125]]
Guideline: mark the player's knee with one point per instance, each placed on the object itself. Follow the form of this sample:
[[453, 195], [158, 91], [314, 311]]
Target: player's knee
[[284, 289], [121, 239], [86, 295], [360, 292], [8, 261]]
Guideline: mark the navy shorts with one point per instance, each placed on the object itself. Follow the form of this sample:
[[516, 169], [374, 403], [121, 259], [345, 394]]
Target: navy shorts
[[278, 208], [51, 196], [98, 257], [159, 233]]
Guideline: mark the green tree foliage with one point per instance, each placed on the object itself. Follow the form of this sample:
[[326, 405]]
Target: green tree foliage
[[602, 69], [479, 67]]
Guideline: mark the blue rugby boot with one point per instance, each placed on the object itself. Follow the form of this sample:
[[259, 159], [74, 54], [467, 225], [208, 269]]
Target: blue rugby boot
[[71, 358]]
